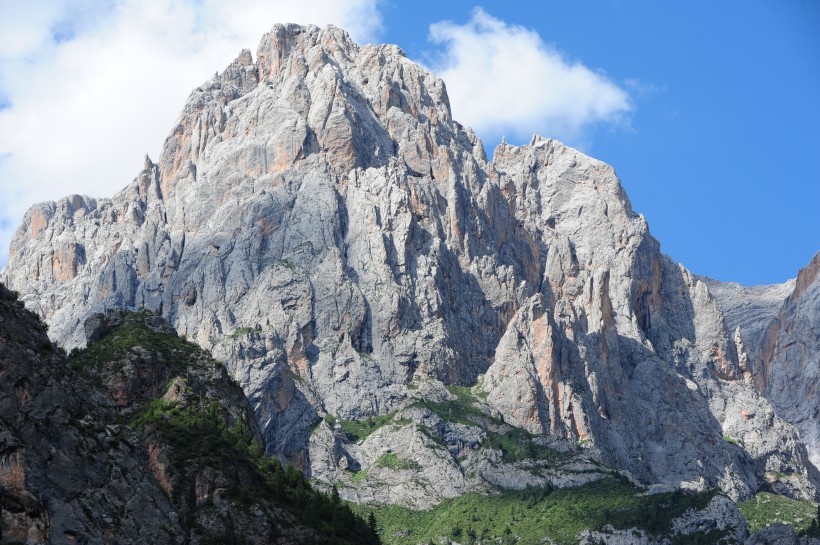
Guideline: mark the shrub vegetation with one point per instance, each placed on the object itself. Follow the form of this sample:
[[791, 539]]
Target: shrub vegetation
[[532, 514]]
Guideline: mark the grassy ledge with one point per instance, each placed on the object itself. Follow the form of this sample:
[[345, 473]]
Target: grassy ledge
[[390, 460], [358, 430], [133, 332], [530, 515], [767, 508]]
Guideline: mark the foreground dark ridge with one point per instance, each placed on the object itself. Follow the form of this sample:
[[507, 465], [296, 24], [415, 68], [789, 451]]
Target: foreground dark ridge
[[141, 438]]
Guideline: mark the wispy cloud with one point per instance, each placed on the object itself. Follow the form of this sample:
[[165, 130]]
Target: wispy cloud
[[643, 88], [87, 87], [504, 79]]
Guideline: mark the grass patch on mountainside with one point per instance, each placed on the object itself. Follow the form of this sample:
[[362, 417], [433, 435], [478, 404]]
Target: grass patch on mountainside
[[530, 515], [198, 436], [767, 508], [515, 444], [117, 343], [358, 430], [390, 460], [463, 409], [241, 332]]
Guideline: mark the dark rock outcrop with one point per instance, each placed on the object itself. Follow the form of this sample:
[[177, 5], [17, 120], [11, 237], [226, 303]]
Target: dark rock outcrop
[[67, 470], [140, 438]]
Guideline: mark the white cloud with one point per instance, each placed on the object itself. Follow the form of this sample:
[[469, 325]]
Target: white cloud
[[503, 79], [87, 89]]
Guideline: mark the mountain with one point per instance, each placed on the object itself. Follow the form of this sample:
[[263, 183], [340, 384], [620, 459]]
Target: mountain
[[141, 438], [410, 320], [748, 310], [781, 326]]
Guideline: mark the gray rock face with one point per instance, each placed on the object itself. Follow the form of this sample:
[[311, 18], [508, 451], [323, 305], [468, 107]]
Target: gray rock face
[[776, 534], [780, 534], [779, 328], [749, 308], [320, 222], [788, 358], [720, 516]]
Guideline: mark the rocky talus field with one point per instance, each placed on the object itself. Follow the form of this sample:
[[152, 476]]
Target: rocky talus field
[[456, 348]]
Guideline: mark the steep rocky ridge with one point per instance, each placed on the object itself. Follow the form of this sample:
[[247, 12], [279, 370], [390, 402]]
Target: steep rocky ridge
[[779, 329], [320, 222], [140, 438], [788, 358], [748, 310], [67, 472]]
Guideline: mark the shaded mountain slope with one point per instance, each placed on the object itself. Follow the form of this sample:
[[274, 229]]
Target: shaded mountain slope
[[749, 309], [778, 327], [141, 438]]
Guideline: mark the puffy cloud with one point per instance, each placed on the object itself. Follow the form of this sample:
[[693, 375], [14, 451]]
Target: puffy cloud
[[503, 79], [87, 87]]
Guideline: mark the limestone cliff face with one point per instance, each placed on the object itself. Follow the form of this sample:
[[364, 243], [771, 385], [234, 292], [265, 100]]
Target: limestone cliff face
[[788, 358], [321, 223], [778, 327], [748, 311]]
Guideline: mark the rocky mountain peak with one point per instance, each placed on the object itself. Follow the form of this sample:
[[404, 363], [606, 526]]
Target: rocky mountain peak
[[350, 104]]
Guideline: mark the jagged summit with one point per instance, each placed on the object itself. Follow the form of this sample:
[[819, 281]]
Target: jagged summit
[[319, 92], [321, 223]]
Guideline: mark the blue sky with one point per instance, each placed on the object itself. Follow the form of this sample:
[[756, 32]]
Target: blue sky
[[720, 149], [708, 111]]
